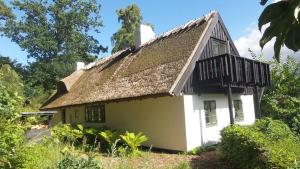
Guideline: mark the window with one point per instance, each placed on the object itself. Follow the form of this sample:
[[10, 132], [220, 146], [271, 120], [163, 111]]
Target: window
[[210, 113], [218, 47], [95, 113], [238, 109]]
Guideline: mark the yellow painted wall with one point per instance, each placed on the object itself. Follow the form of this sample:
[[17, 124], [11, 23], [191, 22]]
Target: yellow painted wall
[[160, 119]]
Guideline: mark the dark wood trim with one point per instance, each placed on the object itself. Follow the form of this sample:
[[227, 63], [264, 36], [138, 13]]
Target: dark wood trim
[[233, 70], [178, 88], [229, 94], [227, 34], [256, 103]]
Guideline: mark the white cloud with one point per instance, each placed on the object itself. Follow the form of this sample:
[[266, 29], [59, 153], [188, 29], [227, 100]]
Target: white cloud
[[251, 41]]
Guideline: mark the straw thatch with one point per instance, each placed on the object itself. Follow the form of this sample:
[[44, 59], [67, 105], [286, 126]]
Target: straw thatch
[[151, 69]]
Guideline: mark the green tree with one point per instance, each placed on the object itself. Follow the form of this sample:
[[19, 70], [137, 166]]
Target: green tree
[[11, 93], [5, 11], [56, 34], [282, 99], [18, 67], [283, 18], [130, 18]]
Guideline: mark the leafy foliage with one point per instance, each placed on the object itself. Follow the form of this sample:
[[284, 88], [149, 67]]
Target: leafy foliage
[[267, 144], [110, 136], [56, 35], [284, 19], [5, 11], [34, 156], [282, 99], [133, 141], [18, 67], [66, 133], [71, 161], [130, 18], [11, 139], [10, 98]]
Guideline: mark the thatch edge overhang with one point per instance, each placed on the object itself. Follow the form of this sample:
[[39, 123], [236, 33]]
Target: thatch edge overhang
[[152, 96], [187, 70]]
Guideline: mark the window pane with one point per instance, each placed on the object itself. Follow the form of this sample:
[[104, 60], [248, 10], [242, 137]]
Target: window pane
[[210, 112], [218, 47], [95, 113], [238, 108]]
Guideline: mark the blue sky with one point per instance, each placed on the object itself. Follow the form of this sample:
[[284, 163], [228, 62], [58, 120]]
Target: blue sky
[[240, 17]]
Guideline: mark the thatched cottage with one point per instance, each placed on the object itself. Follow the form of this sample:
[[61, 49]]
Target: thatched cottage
[[180, 89]]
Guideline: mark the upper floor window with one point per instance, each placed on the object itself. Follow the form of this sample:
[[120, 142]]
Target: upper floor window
[[95, 113], [210, 112], [238, 109], [218, 47]]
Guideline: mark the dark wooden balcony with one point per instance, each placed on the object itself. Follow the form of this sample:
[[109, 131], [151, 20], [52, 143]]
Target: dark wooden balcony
[[234, 70]]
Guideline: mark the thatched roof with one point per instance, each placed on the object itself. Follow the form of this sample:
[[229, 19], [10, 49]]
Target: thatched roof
[[152, 69]]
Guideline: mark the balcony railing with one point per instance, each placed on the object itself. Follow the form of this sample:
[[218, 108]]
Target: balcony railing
[[230, 69]]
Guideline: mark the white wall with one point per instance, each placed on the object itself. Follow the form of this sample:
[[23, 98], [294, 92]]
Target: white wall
[[197, 133]]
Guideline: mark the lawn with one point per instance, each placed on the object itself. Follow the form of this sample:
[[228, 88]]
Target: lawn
[[157, 160]]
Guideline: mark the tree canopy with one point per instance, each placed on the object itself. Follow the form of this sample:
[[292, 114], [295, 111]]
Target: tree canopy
[[51, 29], [283, 18], [5, 11], [130, 18], [55, 34]]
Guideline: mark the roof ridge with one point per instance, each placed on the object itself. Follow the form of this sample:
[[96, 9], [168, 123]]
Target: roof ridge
[[176, 29]]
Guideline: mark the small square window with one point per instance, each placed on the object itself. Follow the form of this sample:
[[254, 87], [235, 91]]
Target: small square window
[[95, 113], [218, 47], [238, 110], [210, 113]]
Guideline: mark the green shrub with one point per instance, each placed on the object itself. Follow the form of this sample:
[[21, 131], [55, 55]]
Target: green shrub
[[110, 136], [281, 100], [67, 133], [133, 141], [11, 138], [266, 144], [72, 161], [41, 155]]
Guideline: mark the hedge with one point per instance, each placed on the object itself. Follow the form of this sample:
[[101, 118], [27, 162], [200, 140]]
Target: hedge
[[266, 144]]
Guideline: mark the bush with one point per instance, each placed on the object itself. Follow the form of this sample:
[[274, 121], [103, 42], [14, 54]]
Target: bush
[[281, 100], [72, 161], [42, 155], [133, 141], [266, 144], [11, 138], [67, 133], [112, 139]]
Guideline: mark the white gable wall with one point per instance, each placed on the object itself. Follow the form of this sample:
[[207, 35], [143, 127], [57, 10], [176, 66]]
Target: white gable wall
[[197, 133]]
